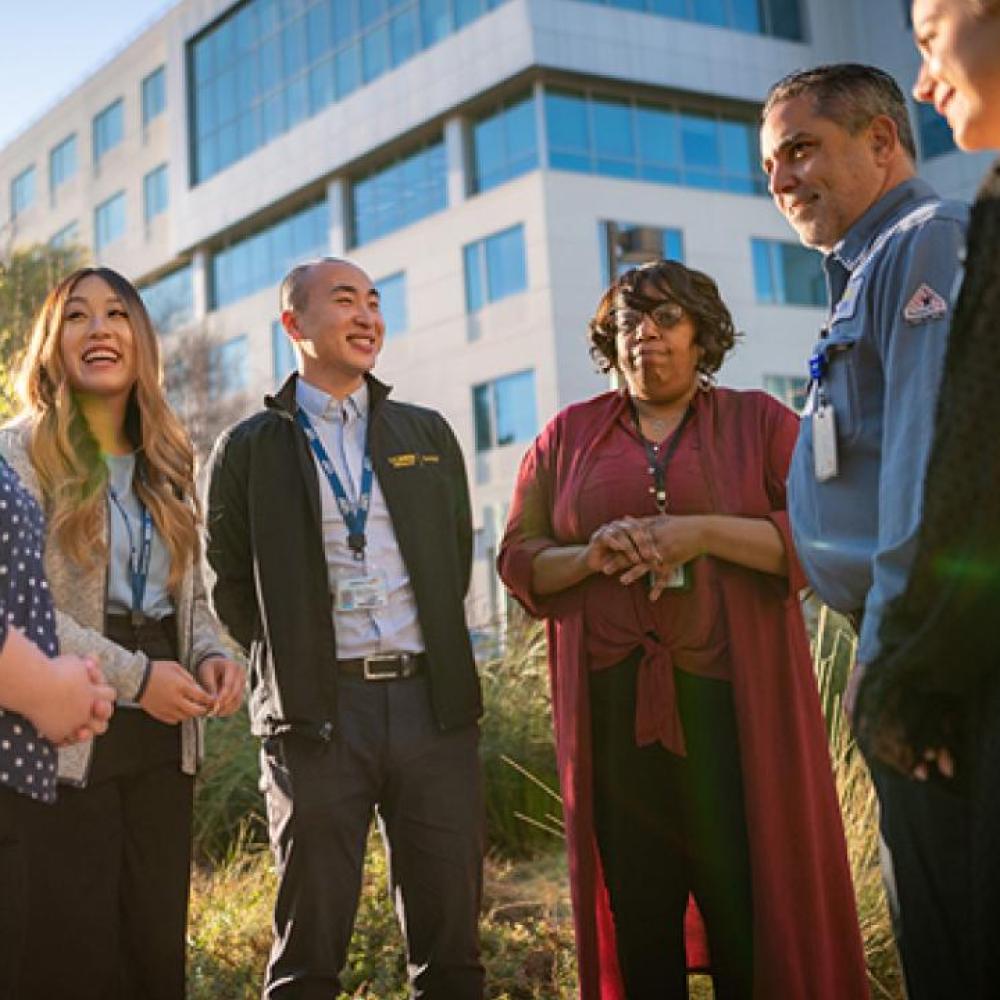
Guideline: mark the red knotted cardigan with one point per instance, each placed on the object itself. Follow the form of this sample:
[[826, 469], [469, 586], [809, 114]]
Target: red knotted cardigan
[[807, 944]]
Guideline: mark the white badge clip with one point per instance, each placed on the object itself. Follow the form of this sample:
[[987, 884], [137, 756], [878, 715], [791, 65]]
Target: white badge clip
[[824, 435], [362, 593]]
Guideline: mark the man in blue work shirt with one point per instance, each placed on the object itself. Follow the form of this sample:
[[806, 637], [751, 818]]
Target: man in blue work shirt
[[838, 150]]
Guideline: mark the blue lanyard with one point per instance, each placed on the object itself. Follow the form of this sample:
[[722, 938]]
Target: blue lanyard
[[138, 562], [355, 515]]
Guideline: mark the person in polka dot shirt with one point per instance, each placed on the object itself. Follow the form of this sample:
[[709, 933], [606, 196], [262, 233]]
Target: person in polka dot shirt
[[45, 700]]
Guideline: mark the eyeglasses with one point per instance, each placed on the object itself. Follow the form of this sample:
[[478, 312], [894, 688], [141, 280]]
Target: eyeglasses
[[665, 315]]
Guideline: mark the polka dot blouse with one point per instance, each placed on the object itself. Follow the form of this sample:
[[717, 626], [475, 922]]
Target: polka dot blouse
[[27, 760]]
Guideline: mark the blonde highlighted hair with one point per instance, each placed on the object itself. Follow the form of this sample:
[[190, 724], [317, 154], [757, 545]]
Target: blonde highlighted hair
[[66, 456]]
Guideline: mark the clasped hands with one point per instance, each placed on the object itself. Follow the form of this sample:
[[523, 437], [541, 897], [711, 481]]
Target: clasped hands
[[173, 695], [631, 547]]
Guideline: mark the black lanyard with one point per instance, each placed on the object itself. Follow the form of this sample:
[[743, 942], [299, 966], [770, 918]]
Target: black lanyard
[[657, 463]]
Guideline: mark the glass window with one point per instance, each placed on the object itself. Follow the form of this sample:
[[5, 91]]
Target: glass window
[[283, 359], [22, 192], [62, 162], [109, 221], [788, 274], [399, 194], [231, 360], [495, 268], [761, 17], [392, 295], [154, 95], [268, 65], [265, 257], [68, 236], [936, 137], [633, 245], [504, 411], [155, 192], [505, 144], [568, 130], [667, 145], [170, 300], [109, 129], [790, 389]]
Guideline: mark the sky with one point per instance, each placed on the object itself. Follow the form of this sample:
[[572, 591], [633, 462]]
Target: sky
[[47, 47]]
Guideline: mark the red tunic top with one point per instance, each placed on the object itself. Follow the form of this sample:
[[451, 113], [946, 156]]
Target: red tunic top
[[807, 945], [683, 628]]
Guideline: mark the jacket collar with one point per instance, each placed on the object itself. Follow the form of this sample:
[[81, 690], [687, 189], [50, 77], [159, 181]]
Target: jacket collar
[[285, 401]]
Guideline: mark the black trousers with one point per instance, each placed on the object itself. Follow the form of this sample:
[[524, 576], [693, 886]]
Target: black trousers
[[426, 786], [926, 868], [13, 889], [110, 864], [670, 826]]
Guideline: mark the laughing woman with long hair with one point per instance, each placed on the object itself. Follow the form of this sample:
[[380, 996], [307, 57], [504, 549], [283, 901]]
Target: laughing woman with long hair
[[98, 444]]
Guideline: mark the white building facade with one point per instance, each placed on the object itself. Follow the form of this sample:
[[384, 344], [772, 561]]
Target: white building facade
[[488, 162]]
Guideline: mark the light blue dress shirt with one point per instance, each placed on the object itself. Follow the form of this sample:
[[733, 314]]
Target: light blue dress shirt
[[342, 427]]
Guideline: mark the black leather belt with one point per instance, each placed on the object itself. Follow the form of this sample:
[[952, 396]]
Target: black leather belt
[[384, 666]]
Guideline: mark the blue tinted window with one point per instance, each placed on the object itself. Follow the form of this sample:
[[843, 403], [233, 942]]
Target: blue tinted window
[[613, 138], [156, 192], [400, 194], [568, 131], [109, 221], [262, 259], [268, 65], [283, 359], [664, 144], [67, 236], [505, 144], [504, 411], [231, 360], [633, 245], [170, 300], [762, 17], [788, 274], [392, 296], [495, 268], [109, 129], [935, 133], [154, 95], [22, 192], [62, 162], [792, 390]]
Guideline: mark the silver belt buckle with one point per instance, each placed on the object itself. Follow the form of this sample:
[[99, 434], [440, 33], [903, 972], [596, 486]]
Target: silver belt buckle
[[372, 671]]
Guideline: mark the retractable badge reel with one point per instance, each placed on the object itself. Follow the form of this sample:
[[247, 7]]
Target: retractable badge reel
[[824, 423]]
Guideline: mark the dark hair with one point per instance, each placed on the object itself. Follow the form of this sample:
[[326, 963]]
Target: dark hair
[[850, 94], [642, 287]]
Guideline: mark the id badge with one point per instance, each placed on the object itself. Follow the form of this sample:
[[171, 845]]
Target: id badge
[[680, 578], [824, 434], [367, 592]]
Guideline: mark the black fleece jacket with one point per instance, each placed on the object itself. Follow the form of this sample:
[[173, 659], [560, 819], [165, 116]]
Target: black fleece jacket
[[265, 547]]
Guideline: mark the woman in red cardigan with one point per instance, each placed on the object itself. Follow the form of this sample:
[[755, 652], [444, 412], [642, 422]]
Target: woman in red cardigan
[[648, 527]]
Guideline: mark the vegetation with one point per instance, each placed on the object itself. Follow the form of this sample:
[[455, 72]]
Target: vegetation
[[25, 279], [526, 926]]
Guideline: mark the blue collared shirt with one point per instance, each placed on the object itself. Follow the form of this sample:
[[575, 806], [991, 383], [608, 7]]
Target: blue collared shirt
[[856, 534], [395, 627]]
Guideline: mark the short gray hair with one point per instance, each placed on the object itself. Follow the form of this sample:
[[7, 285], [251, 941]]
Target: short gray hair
[[850, 94], [292, 293]]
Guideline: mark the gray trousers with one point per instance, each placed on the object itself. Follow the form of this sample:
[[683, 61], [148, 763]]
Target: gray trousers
[[388, 755]]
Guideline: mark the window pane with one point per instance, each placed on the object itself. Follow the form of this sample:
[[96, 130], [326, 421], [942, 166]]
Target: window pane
[[935, 133], [154, 95], [392, 292], [709, 11], [474, 297], [283, 359], [763, 280], [514, 400], [804, 279], [505, 145], [155, 192], [109, 221], [613, 140], [170, 300], [22, 191], [481, 406], [505, 267]]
